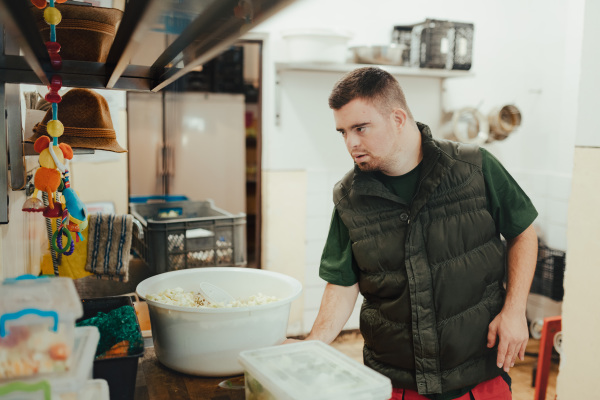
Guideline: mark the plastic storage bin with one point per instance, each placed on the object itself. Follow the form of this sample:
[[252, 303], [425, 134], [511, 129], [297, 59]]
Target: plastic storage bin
[[549, 273], [189, 234], [120, 372], [309, 371], [37, 323], [73, 384]]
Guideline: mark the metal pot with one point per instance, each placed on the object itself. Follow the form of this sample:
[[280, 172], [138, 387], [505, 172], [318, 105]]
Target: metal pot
[[383, 55]]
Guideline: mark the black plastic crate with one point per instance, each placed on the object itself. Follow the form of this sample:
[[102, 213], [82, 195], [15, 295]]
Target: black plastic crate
[[188, 234], [549, 274], [121, 372]]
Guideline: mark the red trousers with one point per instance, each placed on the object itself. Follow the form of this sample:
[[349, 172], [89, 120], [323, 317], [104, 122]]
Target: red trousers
[[494, 389]]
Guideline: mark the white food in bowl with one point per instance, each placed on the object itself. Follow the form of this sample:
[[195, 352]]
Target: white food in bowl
[[206, 341], [179, 297]]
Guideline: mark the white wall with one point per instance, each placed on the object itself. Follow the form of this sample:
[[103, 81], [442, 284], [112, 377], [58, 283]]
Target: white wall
[[525, 53]]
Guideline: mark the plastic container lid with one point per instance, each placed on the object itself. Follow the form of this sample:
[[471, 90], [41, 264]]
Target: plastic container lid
[[312, 370], [71, 381], [52, 294]]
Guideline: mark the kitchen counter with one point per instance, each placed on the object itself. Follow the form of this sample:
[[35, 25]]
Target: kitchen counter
[[157, 382]]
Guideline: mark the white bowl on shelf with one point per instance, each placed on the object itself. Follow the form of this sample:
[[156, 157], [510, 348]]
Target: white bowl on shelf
[[316, 45]]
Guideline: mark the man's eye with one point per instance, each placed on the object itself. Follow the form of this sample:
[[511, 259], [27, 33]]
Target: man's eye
[[361, 128]]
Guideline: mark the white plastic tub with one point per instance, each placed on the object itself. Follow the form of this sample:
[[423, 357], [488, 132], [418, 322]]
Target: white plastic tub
[[207, 341], [316, 45]]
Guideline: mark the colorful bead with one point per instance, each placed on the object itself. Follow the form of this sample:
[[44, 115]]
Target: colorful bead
[[53, 47], [33, 204], [52, 16], [55, 61], [55, 128], [55, 83], [53, 97], [41, 4]]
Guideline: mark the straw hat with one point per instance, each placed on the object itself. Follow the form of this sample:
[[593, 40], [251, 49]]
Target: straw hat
[[86, 118], [85, 33]]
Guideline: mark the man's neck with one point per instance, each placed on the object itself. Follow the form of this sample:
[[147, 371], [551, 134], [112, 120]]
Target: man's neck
[[413, 152]]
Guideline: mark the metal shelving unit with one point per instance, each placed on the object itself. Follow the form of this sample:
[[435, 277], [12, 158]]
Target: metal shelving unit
[[212, 26], [204, 29]]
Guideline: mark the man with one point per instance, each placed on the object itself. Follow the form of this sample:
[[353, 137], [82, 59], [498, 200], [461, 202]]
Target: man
[[416, 229]]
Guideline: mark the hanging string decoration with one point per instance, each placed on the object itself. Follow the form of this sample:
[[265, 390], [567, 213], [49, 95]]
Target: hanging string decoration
[[52, 177]]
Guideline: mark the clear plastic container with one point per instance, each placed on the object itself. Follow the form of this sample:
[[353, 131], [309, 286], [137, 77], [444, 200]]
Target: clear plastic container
[[309, 370], [37, 323], [93, 389], [73, 384]]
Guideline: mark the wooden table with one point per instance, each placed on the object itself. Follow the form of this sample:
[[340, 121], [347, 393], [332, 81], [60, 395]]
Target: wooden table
[[157, 382]]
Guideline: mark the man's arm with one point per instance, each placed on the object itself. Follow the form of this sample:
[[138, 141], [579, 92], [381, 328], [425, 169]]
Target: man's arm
[[511, 324], [337, 305]]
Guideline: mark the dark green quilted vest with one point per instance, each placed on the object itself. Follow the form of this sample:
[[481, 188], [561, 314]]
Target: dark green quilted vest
[[431, 271]]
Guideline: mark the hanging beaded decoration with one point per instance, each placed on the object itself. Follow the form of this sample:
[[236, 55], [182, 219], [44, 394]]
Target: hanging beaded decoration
[[53, 176]]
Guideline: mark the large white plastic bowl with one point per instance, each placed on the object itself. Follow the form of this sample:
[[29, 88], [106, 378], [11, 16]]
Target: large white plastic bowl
[[207, 341]]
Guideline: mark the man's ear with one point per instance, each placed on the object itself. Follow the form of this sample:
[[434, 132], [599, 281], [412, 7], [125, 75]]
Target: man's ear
[[399, 118]]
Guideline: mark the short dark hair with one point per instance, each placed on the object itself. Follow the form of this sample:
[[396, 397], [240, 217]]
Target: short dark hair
[[371, 84]]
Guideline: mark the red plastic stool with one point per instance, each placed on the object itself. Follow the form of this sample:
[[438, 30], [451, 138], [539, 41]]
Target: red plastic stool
[[552, 325]]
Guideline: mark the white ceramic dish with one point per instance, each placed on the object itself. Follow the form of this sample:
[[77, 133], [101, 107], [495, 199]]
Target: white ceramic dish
[[207, 341], [316, 45]]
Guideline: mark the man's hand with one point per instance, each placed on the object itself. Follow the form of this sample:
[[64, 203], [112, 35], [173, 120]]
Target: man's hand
[[510, 326], [511, 329], [337, 305]]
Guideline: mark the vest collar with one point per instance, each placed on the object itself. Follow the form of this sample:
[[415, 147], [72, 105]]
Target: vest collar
[[435, 165]]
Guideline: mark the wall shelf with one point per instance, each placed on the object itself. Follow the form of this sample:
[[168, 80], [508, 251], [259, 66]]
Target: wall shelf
[[396, 70], [392, 69]]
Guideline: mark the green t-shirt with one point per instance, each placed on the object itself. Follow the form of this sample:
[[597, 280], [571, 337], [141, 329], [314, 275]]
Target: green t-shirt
[[510, 207]]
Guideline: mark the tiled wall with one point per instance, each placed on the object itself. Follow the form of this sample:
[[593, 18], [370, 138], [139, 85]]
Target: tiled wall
[[550, 193], [319, 207]]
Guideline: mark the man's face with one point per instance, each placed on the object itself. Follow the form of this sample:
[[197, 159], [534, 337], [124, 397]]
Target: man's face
[[373, 140]]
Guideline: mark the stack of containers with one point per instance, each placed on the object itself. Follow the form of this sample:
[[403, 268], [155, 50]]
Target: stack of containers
[[42, 354]]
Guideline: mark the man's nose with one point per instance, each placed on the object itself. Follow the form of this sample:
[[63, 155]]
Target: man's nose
[[352, 141]]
